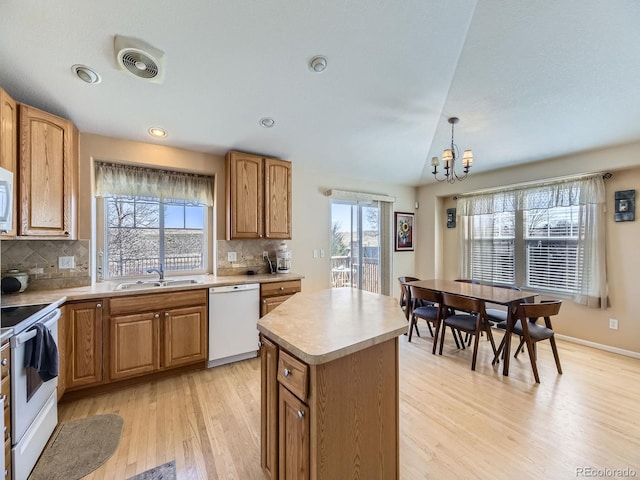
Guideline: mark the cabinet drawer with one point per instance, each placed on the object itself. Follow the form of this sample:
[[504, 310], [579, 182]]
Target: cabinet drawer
[[5, 361], [155, 301], [280, 288], [293, 374]]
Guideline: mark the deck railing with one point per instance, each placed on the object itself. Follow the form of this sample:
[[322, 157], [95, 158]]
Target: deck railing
[[124, 267], [344, 273]]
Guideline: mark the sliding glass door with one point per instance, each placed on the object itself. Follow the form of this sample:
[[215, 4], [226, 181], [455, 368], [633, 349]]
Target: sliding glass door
[[355, 245]]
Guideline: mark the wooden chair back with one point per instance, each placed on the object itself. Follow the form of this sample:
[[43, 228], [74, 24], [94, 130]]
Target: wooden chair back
[[458, 302], [533, 311], [423, 294]]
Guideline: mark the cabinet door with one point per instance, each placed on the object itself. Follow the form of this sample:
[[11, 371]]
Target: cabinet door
[[185, 336], [277, 194], [293, 443], [269, 407], [270, 303], [83, 344], [9, 149], [245, 187], [47, 174], [134, 341]]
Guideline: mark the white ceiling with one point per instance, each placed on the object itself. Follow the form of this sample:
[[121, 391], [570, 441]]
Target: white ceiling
[[529, 80]]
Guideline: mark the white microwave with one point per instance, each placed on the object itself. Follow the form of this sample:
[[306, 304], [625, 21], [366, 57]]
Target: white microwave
[[6, 199]]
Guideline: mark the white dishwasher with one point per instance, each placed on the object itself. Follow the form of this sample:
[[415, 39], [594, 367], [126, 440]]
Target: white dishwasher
[[234, 311]]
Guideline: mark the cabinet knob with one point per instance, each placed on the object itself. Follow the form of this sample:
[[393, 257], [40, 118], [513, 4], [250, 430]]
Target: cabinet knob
[[260, 235], [157, 315], [66, 233], [166, 314], [286, 372], [300, 414], [98, 305], [264, 301], [4, 362]]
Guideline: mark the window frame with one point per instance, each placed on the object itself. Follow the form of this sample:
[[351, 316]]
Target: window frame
[[102, 272]]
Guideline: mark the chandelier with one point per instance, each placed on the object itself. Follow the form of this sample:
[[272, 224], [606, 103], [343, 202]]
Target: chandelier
[[449, 157]]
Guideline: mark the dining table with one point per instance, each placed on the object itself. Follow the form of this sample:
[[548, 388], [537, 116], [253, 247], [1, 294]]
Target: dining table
[[489, 294]]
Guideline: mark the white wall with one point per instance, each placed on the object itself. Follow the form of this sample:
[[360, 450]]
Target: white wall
[[312, 222]]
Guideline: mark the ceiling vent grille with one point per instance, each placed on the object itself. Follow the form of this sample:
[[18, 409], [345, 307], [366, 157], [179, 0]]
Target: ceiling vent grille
[[139, 59]]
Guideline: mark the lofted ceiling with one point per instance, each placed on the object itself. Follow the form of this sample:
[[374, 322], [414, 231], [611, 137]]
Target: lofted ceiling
[[529, 80]]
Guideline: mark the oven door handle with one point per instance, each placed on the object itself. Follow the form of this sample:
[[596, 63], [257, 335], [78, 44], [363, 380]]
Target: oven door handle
[[29, 334]]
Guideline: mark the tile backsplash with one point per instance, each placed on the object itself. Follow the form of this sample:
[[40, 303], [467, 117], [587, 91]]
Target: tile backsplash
[[248, 256], [39, 258]]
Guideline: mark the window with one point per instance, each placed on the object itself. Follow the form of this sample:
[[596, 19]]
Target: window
[[545, 237], [145, 232], [151, 218]]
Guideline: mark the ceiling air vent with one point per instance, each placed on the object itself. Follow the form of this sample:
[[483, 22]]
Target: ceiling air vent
[[139, 58]]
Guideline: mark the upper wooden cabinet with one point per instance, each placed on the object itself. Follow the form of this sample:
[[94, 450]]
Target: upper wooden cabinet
[[258, 197], [48, 175], [9, 149]]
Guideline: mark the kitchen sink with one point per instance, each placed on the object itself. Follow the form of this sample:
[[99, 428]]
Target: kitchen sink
[[140, 285]]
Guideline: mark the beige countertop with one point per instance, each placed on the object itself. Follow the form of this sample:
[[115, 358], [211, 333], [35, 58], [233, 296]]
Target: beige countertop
[[107, 289], [318, 327]]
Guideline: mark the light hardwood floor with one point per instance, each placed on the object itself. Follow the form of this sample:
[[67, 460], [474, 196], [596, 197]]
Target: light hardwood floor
[[454, 423]]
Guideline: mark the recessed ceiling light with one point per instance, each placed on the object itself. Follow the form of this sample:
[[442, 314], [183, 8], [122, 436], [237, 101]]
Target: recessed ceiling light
[[86, 74], [318, 64], [267, 122], [157, 132]]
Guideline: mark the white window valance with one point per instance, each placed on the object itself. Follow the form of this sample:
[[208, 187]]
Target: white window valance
[[119, 179]]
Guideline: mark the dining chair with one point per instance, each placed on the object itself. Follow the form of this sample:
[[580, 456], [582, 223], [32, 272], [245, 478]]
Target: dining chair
[[531, 332], [471, 323], [405, 295], [431, 310]]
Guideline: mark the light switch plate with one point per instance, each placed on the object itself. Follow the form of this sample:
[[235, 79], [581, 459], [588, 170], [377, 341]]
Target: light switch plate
[[65, 263], [232, 257]]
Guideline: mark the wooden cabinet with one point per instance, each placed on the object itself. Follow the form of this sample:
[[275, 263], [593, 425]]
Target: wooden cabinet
[[82, 344], [156, 331], [293, 444], [269, 407], [9, 149], [5, 392], [273, 294], [258, 197], [134, 345], [330, 416], [48, 175]]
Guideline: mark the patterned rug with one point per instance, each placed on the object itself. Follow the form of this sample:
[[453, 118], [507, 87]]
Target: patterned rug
[[166, 471]]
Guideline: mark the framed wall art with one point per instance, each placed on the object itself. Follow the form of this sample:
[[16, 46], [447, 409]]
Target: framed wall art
[[404, 231]]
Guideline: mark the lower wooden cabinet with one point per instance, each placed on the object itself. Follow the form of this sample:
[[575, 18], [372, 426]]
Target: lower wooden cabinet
[[269, 407], [273, 294], [293, 445], [134, 345], [82, 344], [330, 416], [173, 332]]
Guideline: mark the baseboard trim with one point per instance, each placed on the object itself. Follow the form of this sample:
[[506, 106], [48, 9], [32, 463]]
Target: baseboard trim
[[599, 346]]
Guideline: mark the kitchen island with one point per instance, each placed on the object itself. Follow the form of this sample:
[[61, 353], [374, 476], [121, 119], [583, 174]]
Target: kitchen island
[[330, 386]]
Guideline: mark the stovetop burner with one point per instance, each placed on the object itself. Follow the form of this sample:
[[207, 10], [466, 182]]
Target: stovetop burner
[[12, 316]]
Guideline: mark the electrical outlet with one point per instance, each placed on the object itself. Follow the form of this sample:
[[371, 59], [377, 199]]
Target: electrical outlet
[[232, 257], [265, 255], [315, 253], [66, 262], [613, 324], [322, 253]]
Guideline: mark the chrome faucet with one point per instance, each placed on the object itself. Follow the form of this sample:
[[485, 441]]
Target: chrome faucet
[[159, 271]]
